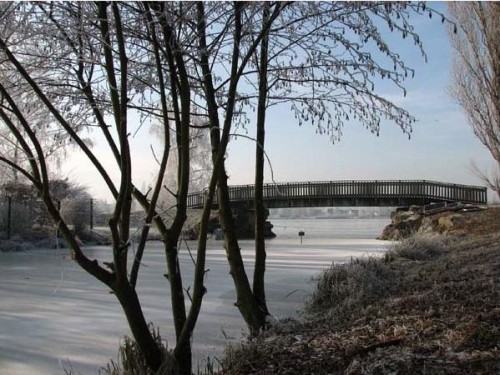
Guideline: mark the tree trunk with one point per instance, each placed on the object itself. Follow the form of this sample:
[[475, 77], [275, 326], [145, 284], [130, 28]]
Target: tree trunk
[[246, 302], [182, 353], [260, 210], [140, 331], [260, 244]]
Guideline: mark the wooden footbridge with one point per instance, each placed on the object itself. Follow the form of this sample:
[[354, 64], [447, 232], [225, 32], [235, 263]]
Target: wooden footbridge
[[351, 193]]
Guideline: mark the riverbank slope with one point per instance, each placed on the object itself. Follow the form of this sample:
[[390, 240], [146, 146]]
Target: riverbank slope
[[431, 305]]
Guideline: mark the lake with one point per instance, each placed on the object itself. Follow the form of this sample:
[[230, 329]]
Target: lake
[[55, 316]]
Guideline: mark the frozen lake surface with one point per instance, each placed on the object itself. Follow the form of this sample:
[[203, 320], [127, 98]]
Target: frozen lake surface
[[55, 316]]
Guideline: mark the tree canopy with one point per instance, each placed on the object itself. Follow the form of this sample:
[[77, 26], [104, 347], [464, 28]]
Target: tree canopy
[[186, 67]]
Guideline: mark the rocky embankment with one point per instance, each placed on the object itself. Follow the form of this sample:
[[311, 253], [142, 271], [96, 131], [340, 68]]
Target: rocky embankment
[[456, 218]]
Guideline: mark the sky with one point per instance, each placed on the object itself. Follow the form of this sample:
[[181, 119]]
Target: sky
[[441, 148]]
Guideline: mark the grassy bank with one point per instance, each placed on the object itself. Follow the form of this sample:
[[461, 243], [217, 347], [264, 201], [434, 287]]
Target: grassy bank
[[430, 306]]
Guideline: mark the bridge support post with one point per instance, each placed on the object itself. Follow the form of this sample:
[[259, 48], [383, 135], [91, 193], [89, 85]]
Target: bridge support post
[[244, 221]]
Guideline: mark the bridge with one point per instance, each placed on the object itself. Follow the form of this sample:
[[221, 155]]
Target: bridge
[[351, 193]]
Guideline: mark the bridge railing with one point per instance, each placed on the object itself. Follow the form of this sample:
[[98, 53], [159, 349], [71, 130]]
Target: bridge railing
[[404, 189]]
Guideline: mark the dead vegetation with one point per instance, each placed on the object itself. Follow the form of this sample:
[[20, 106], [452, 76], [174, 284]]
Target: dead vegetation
[[130, 360], [430, 306]]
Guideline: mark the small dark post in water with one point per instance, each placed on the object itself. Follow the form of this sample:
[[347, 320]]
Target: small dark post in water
[[301, 234]]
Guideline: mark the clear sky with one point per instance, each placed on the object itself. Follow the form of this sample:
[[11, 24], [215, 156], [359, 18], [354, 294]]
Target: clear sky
[[441, 148]]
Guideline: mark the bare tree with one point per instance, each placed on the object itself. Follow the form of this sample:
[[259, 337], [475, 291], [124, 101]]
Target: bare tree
[[89, 65], [476, 74], [322, 60]]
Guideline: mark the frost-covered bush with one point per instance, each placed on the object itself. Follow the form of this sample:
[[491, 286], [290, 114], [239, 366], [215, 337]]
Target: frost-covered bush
[[419, 247], [351, 285]]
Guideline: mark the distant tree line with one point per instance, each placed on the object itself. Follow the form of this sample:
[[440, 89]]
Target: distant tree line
[[23, 215]]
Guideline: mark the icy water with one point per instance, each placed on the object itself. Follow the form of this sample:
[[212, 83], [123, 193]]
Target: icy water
[[53, 316]]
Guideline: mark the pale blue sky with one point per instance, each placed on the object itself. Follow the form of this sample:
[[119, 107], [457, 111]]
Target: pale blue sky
[[441, 147]]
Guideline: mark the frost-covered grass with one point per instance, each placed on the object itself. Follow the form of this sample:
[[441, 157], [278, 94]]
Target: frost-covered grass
[[419, 247], [131, 361], [352, 285]]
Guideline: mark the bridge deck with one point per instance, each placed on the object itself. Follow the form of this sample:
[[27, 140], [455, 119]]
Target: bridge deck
[[352, 193]]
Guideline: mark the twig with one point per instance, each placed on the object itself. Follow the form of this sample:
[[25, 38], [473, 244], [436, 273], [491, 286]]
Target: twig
[[265, 154], [380, 344], [189, 250], [292, 292]]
